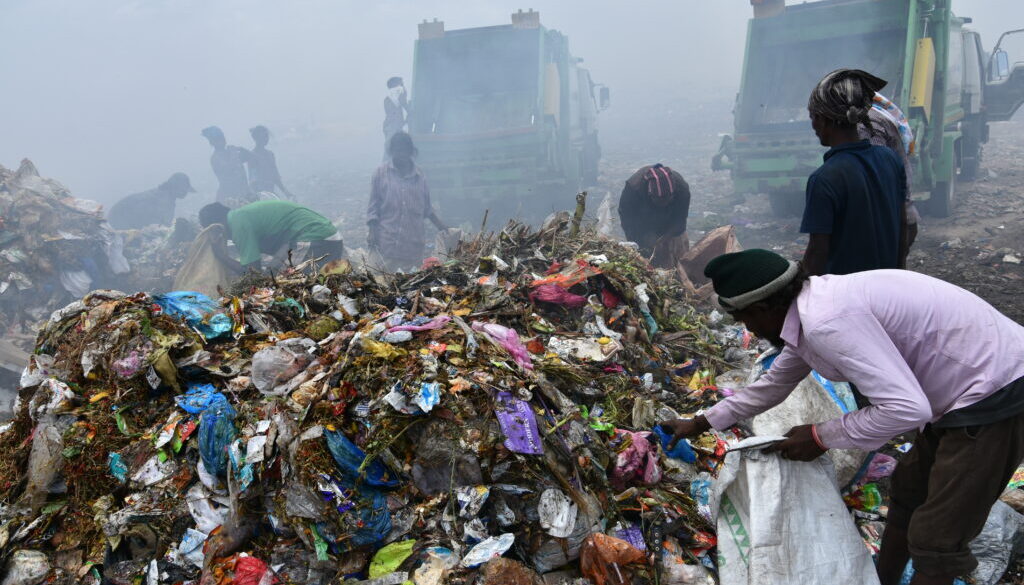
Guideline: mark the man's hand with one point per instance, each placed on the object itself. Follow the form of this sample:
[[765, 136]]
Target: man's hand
[[685, 427], [800, 445]]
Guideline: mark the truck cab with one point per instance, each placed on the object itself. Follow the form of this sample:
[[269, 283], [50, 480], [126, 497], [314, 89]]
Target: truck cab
[[505, 119], [937, 73]]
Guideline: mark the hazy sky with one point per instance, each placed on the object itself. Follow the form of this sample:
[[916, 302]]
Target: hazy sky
[[109, 96]]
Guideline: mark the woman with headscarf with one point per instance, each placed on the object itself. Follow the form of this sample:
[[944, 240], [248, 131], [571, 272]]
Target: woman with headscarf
[[653, 210], [855, 212]]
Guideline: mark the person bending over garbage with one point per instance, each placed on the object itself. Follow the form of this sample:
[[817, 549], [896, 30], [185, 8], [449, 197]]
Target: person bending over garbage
[[155, 206], [653, 209], [926, 355], [270, 227]]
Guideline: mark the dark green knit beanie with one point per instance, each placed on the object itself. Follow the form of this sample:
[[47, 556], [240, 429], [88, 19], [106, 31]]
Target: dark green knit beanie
[[743, 278]]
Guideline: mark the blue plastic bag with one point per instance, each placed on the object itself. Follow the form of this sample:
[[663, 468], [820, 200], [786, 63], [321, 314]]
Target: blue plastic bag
[[366, 490], [681, 451], [216, 425], [198, 310]]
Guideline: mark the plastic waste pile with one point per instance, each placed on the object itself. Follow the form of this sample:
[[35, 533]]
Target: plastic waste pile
[[53, 247], [155, 253], [492, 416]]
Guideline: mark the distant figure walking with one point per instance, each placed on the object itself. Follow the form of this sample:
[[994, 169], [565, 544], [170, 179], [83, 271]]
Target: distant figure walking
[[155, 206], [653, 210], [399, 204], [396, 106], [228, 164], [263, 173]]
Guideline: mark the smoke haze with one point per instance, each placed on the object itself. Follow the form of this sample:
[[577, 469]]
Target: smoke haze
[[109, 96]]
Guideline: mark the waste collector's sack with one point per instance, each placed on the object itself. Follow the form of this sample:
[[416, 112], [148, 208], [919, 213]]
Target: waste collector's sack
[[783, 522]]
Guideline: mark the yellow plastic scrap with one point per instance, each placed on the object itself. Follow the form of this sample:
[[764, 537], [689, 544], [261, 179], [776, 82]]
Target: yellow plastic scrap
[[388, 559], [98, 397], [382, 349], [166, 369]]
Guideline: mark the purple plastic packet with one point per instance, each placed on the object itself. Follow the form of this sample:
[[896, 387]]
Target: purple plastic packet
[[519, 425], [631, 533]]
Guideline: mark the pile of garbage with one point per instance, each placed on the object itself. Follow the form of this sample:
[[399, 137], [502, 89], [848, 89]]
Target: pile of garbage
[[491, 417], [53, 247]]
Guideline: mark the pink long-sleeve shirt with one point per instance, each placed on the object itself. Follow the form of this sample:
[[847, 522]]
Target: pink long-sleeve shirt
[[916, 347]]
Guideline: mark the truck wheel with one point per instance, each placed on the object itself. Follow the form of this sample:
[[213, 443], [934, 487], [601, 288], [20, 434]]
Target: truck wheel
[[786, 204], [943, 199]]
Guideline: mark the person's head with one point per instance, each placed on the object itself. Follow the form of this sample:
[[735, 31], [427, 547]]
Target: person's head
[[395, 82], [177, 186], [841, 101], [660, 188], [215, 135], [757, 287], [260, 135], [213, 213], [401, 148]]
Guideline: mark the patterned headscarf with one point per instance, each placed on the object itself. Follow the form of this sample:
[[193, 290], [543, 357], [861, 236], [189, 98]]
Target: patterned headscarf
[[845, 96], [659, 184]]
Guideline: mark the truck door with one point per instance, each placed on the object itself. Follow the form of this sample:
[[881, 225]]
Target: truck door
[[1004, 92]]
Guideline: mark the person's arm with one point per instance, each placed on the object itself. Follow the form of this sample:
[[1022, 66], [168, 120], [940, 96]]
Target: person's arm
[[277, 178], [220, 252], [818, 220], [816, 255], [859, 347]]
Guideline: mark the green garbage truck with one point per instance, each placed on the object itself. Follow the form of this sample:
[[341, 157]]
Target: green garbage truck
[[938, 71], [505, 119]]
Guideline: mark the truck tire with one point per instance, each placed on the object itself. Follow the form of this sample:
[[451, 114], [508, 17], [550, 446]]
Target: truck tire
[[943, 199], [786, 204]]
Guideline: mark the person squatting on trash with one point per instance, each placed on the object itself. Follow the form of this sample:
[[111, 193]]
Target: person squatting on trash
[[855, 208], [653, 209], [155, 206], [927, 355], [399, 204], [270, 227]]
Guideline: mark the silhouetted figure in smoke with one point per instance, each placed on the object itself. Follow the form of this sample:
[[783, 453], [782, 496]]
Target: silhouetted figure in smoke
[[396, 106], [653, 210], [228, 164], [155, 206], [263, 173]]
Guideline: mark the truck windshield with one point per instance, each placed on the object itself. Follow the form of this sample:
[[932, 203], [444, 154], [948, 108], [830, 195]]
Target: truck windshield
[[779, 78], [476, 83]]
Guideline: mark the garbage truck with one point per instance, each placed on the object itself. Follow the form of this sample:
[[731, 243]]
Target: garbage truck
[[938, 71], [504, 118]]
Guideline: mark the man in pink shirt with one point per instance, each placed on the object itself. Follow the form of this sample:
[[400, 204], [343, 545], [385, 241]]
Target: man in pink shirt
[[927, 355]]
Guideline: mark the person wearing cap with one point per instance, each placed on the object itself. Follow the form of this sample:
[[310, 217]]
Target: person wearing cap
[[653, 210], [271, 227], [396, 105], [855, 211], [228, 164], [263, 174], [155, 206], [927, 355]]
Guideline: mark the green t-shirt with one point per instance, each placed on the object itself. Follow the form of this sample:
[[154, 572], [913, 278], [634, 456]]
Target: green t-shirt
[[265, 226]]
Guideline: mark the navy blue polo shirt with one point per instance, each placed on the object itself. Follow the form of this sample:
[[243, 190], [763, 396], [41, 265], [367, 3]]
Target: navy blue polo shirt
[[857, 197]]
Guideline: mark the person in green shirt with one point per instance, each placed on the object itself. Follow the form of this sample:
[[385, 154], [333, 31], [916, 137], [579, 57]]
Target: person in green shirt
[[271, 227]]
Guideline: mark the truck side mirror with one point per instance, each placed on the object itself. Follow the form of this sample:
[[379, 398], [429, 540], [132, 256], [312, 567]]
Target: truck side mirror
[[1001, 65], [605, 98]]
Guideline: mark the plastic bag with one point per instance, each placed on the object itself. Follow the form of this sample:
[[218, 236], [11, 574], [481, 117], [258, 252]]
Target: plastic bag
[[519, 425], [273, 367], [604, 559], [508, 339], [637, 463], [216, 432], [198, 310], [556, 295], [770, 509], [435, 323], [363, 492], [557, 513], [253, 571], [388, 559], [488, 549], [999, 541], [26, 567], [681, 451]]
